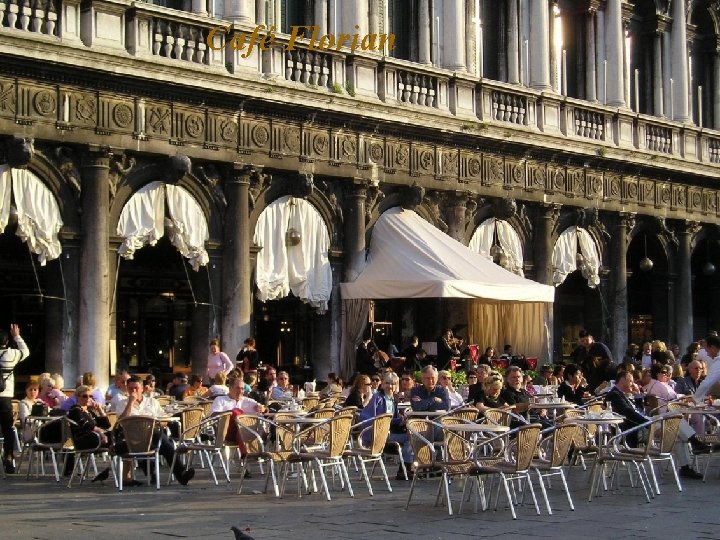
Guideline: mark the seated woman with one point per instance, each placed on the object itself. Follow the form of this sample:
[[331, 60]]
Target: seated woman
[[48, 394], [26, 409], [360, 394], [219, 388], [333, 388], [196, 389], [382, 402], [89, 421], [456, 400], [492, 388], [574, 387]]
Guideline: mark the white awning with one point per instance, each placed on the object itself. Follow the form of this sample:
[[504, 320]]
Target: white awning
[[410, 258]]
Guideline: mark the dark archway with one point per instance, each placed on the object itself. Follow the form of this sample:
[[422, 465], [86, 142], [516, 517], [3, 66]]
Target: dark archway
[[576, 307]]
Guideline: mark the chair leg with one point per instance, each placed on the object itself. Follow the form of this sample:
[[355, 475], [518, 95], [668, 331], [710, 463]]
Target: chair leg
[[365, 476], [344, 471], [544, 491], [532, 491], [412, 488], [509, 496], [324, 480], [385, 474], [567, 491], [446, 486], [120, 474]]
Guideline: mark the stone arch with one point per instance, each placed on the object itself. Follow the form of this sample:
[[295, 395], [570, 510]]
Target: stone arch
[[143, 175]]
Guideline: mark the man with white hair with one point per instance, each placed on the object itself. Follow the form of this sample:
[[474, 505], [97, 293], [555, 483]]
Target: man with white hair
[[429, 396]]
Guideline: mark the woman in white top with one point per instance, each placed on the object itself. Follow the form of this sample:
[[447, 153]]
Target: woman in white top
[[456, 400], [217, 361]]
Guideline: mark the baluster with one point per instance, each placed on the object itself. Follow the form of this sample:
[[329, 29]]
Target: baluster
[[168, 39], [422, 93], [324, 72], [515, 107], [494, 104], [190, 45], [12, 13], [400, 86], [37, 16], [157, 37], [298, 66], [288, 66], [3, 5], [430, 102], [25, 12], [316, 70], [201, 53], [307, 67], [407, 88], [179, 47], [51, 13], [415, 92], [505, 105]]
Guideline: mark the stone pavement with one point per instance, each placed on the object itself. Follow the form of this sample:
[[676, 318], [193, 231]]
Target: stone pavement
[[41, 509]]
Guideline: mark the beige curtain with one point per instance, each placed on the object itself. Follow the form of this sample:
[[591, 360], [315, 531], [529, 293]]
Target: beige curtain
[[354, 320], [524, 325]]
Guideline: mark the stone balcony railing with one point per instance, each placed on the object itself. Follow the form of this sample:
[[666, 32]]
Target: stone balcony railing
[[199, 42]]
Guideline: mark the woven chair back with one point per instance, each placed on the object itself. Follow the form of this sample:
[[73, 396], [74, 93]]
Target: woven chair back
[[497, 417], [190, 420], [424, 454], [560, 441], [338, 435], [670, 427], [380, 430], [526, 446], [138, 433]]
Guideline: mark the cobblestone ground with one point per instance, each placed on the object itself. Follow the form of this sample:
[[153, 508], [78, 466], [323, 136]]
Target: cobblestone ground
[[42, 509]]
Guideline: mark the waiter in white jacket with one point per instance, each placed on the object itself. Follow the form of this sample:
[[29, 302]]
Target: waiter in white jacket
[[9, 358]]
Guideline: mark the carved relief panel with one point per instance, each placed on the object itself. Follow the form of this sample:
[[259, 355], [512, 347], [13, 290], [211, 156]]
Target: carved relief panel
[[515, 174], [222, 130], [537, 176], [470, 167], [8, 102], [493, 170], [423, 160], [37, 102], [612, 189]]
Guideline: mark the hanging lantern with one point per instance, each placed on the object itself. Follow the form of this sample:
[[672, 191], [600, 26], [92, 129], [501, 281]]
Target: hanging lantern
[[292, 235], [708, 268], [646, 264]]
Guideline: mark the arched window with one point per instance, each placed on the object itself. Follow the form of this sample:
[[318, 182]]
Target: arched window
[[294, 254], [497, 240], [38, 214], [142, 222], [566, 257]]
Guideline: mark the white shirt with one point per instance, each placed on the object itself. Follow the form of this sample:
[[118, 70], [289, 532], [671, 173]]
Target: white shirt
[[147, 407], [118, 402], [713, 376], [226, 403]]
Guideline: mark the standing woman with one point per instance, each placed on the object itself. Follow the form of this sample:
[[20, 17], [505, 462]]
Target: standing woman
[[217, 361], [248, 358]]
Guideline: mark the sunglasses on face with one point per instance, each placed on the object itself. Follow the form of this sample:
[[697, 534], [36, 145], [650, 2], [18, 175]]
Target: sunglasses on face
[[85, 396]]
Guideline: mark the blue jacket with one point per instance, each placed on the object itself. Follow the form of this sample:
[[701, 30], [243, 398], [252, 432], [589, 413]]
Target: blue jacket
[[378, 406], [427, 399]]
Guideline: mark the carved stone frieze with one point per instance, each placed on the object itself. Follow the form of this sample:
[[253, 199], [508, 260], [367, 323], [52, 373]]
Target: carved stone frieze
[[8, 101], [373, 196], [629, 191], [432, 201], [120, 167], [158, 120], [613, 187], [695, 199], [537, 176], [210, 176], [258, 135], [375, 152], [557, 179], [515, 174], [83, 109], [494, 171], [646, 193], [593, 185], [663, 195], [449, 163]]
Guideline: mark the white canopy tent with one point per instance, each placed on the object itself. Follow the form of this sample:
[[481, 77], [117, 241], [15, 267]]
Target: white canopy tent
[[410, 258]]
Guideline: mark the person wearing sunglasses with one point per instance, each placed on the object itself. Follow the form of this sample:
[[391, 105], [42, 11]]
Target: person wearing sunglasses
[[89, 422]]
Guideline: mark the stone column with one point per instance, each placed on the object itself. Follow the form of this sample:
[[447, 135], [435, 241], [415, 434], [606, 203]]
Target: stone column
[[657, 74], [375, 16], [261, 16], [513, 52], [471, 43], [54, 318], [678, 40], [453, 21], [667, 74], [355, 230], [624, 224], [242, 11], [540, 45], [456, 212], [94, 327], [424, 33], [614, 47], [71, 271], [236, 298], [600, 55], [684, 306], [590, 67], [543, 242], [199, 7], [354, 12], [716, 96], [321, 16]]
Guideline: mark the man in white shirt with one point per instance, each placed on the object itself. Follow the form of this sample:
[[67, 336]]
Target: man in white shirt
[[138, 404], [236, 400], [709, 352]]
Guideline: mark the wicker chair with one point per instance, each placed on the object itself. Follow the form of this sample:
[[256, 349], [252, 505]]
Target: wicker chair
[[469, 414], [137, 432], [503, 418], [164, 400], [422, 433], [41, 444], [660, 448], [616, 452], [554, 448], [378, 432], [338, 429], [190, 419], [513, 465], [216, 428], [88, 454]]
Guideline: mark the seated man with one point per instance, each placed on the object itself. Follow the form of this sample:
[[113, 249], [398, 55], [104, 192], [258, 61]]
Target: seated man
[[235, 400], [284, 389], [136, 403], [429, 396], [621, 404], [407, 383], [514, 393], [456, 400]]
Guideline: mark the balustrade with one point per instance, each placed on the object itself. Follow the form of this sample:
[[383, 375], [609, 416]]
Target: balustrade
[[38, 16], [507, 107]]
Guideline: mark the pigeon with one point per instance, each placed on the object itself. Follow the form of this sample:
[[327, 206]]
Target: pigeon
[[101, 476], [239, 535]]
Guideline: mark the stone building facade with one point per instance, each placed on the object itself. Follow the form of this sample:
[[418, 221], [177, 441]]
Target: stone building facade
[[602, 115]]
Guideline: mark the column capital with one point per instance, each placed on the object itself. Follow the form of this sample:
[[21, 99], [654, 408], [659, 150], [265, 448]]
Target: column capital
[[687, 227], [94, 155], [242, 173]]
